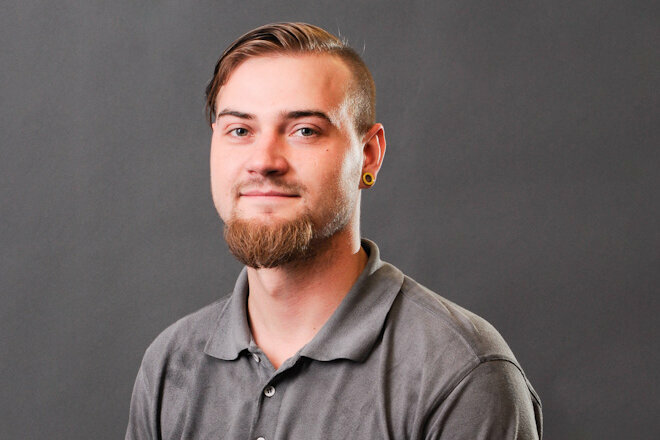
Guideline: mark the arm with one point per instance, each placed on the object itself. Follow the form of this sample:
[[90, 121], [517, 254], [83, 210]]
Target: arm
[[141, 422], [492, 402]]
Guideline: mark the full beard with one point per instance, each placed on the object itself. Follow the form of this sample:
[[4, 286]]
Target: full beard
[[266, 245]]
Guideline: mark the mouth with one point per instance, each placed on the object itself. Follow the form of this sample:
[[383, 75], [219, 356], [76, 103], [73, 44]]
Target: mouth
[[267, 193]]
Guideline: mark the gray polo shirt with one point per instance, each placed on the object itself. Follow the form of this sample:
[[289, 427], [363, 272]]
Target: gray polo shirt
[[394, 361]]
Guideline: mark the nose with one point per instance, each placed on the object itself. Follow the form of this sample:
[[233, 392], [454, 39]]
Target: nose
[[268, 156]]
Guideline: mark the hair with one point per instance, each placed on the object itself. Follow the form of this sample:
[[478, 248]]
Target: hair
[[297, 39], [260, 245]]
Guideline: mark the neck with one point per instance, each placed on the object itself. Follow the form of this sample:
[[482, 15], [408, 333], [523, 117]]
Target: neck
[[288, 305]]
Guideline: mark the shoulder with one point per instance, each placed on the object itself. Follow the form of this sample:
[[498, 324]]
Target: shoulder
[[444, 339], [494, 401], [185, 339], [460, 357], [452, 325]]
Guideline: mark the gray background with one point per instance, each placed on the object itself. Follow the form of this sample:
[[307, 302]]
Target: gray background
[[520, 181]]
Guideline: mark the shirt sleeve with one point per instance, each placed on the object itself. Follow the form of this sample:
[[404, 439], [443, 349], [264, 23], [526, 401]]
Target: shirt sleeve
[[494, 401], [141, 420]]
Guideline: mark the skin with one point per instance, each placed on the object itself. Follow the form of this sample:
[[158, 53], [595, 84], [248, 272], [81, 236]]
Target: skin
[[284, 143]]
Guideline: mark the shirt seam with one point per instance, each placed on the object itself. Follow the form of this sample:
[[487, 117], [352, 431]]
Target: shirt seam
[[482, 361], [433, 312], [479, 358]]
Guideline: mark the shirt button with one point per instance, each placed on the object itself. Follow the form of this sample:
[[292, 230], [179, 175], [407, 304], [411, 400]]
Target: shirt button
[[256, 359], [269, 391]]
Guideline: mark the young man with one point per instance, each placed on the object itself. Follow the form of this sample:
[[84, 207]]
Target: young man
[[320, 338]]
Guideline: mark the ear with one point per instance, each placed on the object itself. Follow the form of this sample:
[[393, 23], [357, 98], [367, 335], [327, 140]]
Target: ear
[[373, 151]]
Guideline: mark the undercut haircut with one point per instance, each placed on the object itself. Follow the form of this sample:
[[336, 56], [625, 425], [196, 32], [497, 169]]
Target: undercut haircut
[[298, 39]]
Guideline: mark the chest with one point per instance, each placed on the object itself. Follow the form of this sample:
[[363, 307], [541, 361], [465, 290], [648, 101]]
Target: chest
[[245, 399]]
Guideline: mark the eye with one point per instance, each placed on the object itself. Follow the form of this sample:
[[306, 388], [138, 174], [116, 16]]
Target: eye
[[239, 132], [306, 131]]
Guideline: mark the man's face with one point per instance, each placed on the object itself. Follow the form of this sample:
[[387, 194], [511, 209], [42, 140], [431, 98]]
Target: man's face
[[284, 145]]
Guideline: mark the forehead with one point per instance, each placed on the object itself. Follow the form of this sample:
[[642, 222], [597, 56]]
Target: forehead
[[286, 82]]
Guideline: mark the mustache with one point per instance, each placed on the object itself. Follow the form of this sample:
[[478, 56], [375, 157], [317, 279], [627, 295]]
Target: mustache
[[276, 183]]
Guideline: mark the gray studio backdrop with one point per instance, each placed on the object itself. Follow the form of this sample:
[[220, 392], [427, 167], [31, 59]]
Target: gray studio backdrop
[[520, 181]]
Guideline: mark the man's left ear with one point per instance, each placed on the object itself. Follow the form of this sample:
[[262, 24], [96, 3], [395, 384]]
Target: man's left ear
[[373, 151]]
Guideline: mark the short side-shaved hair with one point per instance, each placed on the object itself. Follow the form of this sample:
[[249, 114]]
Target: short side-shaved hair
[[297, 39]]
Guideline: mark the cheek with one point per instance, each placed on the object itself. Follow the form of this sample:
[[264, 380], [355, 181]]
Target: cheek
[[216, 172], [351, 169], [343, 179], [334, 173], [220, 182]]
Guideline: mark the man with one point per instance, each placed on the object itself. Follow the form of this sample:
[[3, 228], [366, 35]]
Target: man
[[320, 338]]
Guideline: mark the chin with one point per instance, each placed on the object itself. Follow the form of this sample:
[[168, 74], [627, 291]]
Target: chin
[[267, 217]]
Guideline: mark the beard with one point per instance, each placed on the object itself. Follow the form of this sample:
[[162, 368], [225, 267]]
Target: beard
[[262, 245]]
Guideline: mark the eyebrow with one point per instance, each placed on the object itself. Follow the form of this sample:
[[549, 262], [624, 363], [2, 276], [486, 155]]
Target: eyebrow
[[241, 115], [296, 114]]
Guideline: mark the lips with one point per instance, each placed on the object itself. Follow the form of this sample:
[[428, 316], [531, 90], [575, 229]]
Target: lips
[[266, 193], [267, 189]]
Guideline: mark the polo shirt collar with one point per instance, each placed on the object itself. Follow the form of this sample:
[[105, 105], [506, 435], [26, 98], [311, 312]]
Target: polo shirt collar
[[232, 333], [350, 332]]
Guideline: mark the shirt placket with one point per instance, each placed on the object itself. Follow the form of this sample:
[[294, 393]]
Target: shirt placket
[[271, 395]]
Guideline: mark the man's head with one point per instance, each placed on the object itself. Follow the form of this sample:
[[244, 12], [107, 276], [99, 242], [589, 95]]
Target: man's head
[[288, 147], [297, 39]]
